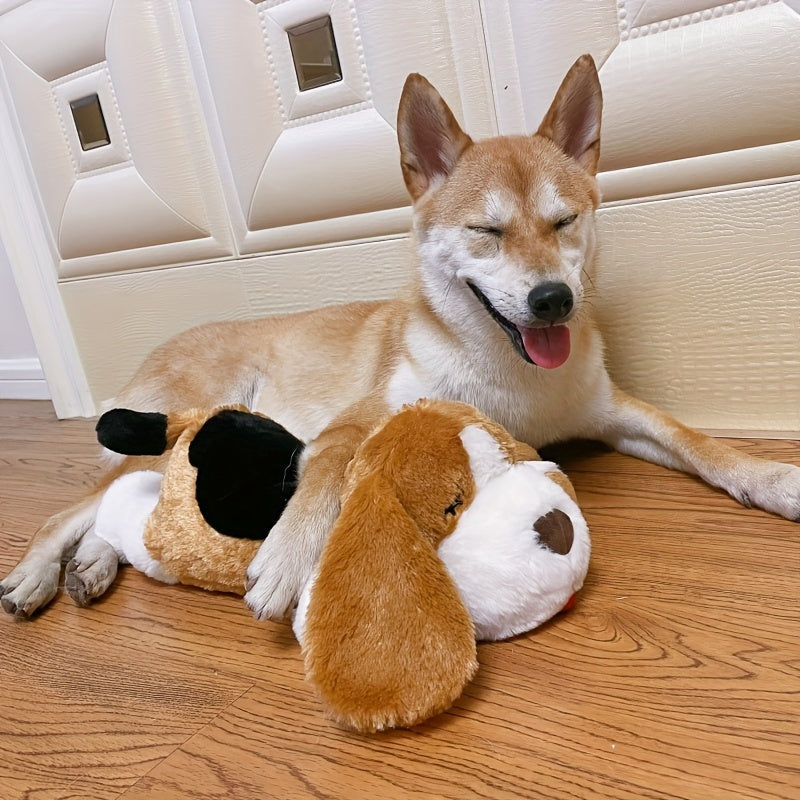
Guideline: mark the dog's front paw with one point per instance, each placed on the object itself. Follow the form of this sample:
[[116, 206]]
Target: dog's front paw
[[277, 575], [787, 488], [778, 491]]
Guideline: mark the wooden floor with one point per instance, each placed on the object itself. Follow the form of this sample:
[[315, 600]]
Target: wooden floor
[[677, 675]]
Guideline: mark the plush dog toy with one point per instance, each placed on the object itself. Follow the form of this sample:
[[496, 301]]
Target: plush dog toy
[[449, 530]]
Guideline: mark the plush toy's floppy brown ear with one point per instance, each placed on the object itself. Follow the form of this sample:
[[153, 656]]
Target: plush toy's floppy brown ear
[[388, 641]]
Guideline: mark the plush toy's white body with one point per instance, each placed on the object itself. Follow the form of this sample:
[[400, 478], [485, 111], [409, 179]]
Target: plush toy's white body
[[122, 517], [507, 579]]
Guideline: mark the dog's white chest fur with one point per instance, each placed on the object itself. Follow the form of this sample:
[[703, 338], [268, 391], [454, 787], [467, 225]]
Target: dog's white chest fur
[[536, 406], [406, 385]]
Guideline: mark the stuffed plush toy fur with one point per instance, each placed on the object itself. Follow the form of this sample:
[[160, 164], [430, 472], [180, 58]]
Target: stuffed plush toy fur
[[449, 530], [228, 478]]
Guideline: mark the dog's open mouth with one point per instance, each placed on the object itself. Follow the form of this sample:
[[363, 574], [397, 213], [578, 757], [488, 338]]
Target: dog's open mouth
[[545, 347]]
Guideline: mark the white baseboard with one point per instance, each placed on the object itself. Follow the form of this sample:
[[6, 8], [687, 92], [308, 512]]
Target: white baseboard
[[22, 379]]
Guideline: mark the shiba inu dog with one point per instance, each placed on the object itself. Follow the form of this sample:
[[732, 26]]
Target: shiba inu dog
[[497, 317]]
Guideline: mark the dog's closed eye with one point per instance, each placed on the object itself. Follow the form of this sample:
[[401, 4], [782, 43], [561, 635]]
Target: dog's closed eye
[[565, 221], [487, 230]]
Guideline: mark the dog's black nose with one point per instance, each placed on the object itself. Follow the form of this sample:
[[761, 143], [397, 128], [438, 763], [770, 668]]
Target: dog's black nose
[[551, 302]]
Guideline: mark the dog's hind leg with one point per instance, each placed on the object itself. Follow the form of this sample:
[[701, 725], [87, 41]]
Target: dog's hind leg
[[91, 570], [34, 581]]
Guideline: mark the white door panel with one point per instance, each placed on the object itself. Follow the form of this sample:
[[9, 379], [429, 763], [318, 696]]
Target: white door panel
[[707, 82], [279, 140], [154, 183], [699, 299], [357, 153]]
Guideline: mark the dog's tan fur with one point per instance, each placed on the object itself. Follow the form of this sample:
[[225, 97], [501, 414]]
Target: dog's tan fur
[[506, 215]]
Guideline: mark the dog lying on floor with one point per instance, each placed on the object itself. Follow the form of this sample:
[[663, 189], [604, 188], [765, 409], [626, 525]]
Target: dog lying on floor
[[497, 317]]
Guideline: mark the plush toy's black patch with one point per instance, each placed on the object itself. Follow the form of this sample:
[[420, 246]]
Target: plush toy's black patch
[[132, 433], [246, 472]]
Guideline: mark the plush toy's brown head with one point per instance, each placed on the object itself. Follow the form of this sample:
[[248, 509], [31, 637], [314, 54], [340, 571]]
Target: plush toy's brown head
[[387, 639], [405, 452]]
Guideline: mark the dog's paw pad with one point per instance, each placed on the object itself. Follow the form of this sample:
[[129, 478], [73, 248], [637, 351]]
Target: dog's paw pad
[[270, 599], [85, 581], [23, 594]]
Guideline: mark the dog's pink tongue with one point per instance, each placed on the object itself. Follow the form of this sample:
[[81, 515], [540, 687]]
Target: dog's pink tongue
[[547, 347]]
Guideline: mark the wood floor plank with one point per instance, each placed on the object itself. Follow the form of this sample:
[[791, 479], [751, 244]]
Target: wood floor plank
[[88, 703], [87, 709], [629, 703], [675, 677], [44, 465]]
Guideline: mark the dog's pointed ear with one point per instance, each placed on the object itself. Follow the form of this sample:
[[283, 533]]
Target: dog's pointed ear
[[431, 141], [388, 641], [573, 120]]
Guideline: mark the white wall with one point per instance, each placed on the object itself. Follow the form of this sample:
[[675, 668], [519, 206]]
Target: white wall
[[20, 372]]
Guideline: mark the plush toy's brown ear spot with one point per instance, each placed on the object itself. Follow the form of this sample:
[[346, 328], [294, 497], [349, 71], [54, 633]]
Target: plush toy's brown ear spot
[[558, 477], [555, 531]]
